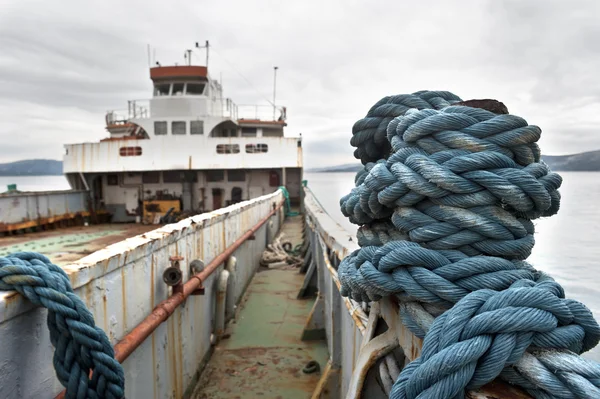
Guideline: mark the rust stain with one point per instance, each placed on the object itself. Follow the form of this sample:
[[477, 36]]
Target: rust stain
[[87, 295], [154, 376], [173, 356], [124, 296], [105, 310], [152, 280], [353, 348], [8, 227], [180, 349], [11, 298]]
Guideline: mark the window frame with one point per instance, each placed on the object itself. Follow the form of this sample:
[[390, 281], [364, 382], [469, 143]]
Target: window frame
[[130, 151], [215, 172], [242, 173], [166, 125], [200, 123], [195, 84], [228, 148], [156, 92], [182, 89], [258, 148], [179, 124], [146, 177]]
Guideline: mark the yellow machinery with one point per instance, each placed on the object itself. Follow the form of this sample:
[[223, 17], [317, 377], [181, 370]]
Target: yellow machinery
[[155, 209]]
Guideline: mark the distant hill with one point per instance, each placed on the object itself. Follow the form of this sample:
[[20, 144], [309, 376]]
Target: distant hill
[[31, 167], [585, 161], [349, 167]]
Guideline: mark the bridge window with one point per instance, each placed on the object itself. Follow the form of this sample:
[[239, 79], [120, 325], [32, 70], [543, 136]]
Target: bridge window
[[130, 151], [178, 127], [215, 175], [162, 89], [160, 128], [248, 132], [228, 148], [177, 89], [236, 175], [256, 148], [196, 127], [194, 89]]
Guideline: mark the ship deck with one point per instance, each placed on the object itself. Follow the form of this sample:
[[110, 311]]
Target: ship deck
[[65, 245], [262, 355]]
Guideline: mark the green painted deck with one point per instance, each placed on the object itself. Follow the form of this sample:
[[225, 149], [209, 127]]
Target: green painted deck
[[264, 356], [69, 244]]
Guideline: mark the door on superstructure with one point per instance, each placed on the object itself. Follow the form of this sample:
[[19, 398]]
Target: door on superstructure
[[217, 194], [97, 192], [236, 195]]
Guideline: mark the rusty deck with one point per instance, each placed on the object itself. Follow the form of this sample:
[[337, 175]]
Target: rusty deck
[[263, 355], [66, 245]]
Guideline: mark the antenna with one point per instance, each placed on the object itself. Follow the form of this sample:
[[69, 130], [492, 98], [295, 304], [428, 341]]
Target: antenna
[[274, 88], [207, 47], [188, 56], [149, 61]]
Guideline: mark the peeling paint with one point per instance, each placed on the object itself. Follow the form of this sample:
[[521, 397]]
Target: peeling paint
[[122, 283]]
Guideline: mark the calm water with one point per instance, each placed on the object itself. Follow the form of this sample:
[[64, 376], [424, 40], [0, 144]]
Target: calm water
[[567, 244]]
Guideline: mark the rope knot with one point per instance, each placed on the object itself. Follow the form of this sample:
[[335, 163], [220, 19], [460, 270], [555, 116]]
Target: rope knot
[[445, 204]]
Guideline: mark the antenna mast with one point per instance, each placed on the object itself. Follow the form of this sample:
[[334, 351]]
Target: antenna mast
[[274, 88], [207, 47]]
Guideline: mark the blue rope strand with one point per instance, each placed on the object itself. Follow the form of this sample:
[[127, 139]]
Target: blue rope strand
[[80, 346]]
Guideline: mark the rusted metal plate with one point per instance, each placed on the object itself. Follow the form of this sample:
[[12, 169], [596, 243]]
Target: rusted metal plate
[[121, 284]]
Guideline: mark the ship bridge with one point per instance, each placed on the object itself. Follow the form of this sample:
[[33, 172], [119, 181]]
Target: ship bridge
[[187, 140]]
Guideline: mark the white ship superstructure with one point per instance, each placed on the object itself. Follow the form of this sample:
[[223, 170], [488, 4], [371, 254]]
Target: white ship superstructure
[[186, 144]]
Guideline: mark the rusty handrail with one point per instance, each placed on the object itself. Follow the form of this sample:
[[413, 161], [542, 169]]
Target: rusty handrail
[[165, 309]]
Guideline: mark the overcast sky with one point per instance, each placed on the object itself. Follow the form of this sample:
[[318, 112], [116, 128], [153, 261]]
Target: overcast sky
[[62, 68]]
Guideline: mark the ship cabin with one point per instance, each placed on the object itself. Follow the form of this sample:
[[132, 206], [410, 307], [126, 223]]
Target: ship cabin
[[187, 148]]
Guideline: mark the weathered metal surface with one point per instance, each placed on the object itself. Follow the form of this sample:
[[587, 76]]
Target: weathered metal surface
[[166, 153], [359, 342], [66, 245], [121, 284], [263, 355], [30, 209]]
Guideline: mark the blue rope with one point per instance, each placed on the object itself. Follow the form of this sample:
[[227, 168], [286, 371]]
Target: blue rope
[[445, 205], [80, 346]]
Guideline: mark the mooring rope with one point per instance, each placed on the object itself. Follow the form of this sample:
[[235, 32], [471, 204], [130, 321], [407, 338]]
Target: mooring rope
[[80, 346], [445, 205]]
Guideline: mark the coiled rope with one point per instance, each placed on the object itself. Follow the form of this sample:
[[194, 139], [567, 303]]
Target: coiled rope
[[445, 205], [80, 346]]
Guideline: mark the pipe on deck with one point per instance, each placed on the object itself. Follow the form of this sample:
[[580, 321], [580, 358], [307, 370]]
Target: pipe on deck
[[165, 309]]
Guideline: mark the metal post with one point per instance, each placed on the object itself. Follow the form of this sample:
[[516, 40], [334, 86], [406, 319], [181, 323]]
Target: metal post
[[274, 88], [207, 47]]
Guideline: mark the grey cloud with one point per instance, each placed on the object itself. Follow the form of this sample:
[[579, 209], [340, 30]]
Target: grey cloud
[[60, 70]]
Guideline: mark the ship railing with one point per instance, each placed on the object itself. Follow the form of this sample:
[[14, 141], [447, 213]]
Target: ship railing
[[229, 109], [261, 112], [135, 109]]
